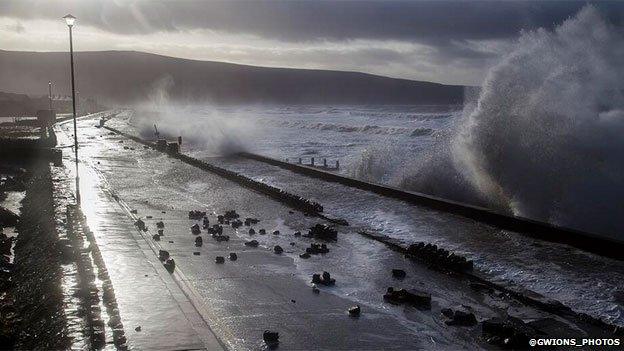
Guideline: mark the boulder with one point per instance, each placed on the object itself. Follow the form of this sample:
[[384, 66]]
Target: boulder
[[160, 224], [163, 255], [195, 229], [156, 237], [399, 273], [252, 243], [252, 231], [323, 232], [170, 265], [233, 256], [270, 337], [276, 232], [355, 311], [196, 215], [324, 279], [219, 259], [278, 249], [304, 255], [199, 241], [262, 231], [8, 218]]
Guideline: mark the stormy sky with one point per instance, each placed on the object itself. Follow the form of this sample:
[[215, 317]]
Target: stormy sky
[[442, 41]]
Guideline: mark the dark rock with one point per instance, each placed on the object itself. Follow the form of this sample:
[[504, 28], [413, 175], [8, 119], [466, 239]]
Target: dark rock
[[170, 265], [233, 256], [305, 255], [252, 243], [324, 279], [219, 259], [262, 232], [220, 238], [276, 232], [355, 311], [231, 214], [163, 255], [278, 249], [140, 224], [156, 237], [161, 232], [199, 241], [270, 337], [195, 229], [196, 253], [323, 232], [252, 231], [398, 273], [160, 224], [297, 233]]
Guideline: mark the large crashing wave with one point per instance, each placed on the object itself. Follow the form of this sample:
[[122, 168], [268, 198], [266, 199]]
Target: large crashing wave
[[546, 138]]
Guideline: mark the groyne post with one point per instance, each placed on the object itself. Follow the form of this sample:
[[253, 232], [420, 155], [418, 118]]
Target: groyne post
[[312, 161]]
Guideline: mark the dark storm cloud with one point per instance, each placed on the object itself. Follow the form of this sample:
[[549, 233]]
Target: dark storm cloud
[[421, 21]]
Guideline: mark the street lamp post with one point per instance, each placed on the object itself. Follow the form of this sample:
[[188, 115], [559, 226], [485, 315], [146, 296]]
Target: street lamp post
[[50, 94], [70, 20]]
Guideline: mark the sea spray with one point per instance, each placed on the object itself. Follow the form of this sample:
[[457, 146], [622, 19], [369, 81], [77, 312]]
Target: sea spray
[[545, 138], [202, 127]]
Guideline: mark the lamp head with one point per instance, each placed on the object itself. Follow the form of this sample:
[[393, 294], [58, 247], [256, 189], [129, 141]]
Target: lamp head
[[69, 19]]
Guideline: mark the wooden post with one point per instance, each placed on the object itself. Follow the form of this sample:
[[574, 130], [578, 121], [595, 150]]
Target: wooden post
[[337, 164], [325, 162]]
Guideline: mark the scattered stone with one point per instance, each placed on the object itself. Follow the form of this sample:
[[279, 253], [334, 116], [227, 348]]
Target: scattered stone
[[138, 328], [324, 279], [252, 231], [398, 273], [315, 289], [355, 311], [156, 237], [149, 217], [195, 229], [205, 222], [233, 256], [278, 249], [270, 337], [199, 241], [252, 243], [170, 265], [221, 238], [323, 232], [236, 224], [292, 243], [276, 232], [160, 224], [140, 224], [305, 255], [163, 255], [262, 232], [219, 259], [316, 249], [161, 232], [297, 233], [196, 253]]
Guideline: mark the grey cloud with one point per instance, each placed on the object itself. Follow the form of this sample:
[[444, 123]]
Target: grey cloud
[[422, 21]]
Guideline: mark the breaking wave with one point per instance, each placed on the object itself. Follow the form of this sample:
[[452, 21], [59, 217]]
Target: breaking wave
[[544, 137]]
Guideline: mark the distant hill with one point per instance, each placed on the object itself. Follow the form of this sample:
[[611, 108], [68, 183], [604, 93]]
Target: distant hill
[[124, 77]]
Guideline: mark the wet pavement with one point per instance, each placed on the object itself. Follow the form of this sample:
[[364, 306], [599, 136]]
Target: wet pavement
[[147, 295]]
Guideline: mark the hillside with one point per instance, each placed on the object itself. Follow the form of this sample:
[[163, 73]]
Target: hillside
[[125, 77]]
